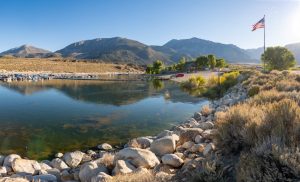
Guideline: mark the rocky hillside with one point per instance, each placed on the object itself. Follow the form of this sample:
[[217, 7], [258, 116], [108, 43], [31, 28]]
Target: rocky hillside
[[28, 51], [195, 47], [116, 50]]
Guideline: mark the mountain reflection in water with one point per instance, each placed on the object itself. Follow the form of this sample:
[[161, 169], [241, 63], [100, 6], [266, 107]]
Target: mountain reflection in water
[[41, 118]]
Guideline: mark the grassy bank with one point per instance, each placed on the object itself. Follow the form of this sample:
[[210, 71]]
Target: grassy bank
[[258, 140], [57, 65], [212, 86]]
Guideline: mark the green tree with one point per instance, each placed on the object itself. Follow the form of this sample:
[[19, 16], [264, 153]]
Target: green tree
[[149, 69], [278, 58], [158, 66], [202, 62], [181, 64], [221, 63], [212, 61]]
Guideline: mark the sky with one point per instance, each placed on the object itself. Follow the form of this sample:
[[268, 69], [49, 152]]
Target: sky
[[54, 24]]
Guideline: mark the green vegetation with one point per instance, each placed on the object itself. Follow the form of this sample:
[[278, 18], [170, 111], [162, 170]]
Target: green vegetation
[[212, 61], [156, 68], [213, 87], [200, 63], [278, 58]]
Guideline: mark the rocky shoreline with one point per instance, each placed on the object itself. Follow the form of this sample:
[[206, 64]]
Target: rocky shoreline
[[33, 76], [172, 153]]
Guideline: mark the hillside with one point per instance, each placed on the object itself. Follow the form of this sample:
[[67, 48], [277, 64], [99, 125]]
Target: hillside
[[195, 47], [127, 51], [27, 51], [295, 48], [115, 50]]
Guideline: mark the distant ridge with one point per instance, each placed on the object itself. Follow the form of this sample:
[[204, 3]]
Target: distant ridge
[[127, 51], [116, 50], [195, 47], [27, 51]]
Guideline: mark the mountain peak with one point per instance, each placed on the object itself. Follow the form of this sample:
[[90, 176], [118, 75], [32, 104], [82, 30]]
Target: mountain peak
[[25, 50]]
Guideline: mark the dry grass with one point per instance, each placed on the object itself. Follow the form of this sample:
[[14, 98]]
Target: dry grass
[[140, 176], [264, 132], [60, 66]]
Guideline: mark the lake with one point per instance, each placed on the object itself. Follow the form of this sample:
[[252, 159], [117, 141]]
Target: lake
[[39, 119]]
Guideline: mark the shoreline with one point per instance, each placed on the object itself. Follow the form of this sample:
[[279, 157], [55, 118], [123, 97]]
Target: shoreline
[[177, 149]]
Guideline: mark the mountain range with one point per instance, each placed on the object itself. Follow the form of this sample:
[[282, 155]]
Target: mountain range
[[123, 50]]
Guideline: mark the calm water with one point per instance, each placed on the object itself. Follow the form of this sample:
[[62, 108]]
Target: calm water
[[42, 118]]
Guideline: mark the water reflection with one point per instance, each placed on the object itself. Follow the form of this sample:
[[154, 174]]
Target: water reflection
[[38, 119]]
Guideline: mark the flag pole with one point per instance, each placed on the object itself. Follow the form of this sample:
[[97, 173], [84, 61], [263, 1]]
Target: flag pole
[[264, 41]]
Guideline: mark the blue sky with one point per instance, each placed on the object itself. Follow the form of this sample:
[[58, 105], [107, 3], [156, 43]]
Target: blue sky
[[53, 24]]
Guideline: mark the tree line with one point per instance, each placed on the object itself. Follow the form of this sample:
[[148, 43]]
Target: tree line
[[200, 63]]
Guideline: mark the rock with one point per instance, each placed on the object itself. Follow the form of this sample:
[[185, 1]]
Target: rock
[[208, 134], [123, 167], [206, 125], [2, 157], [188, 134], [144, 142], [165, 145], [163, 176], [13, 179], [52, 171], [138, 157], [105, 146], [210, 147], [91, 152], [73, 159], [3, 171], [59, 155], [188, 144], [165, 133], [180, 155], [90, 170], [199, 147], [9, 159], [101, 177], [66, 176], [59, 164], [197, 116], [26, 166], [45, 166], [172, 160], [44, 178], [198, 139]]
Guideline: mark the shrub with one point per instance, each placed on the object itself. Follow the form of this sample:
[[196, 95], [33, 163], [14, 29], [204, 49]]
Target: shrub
[[194, 82], [253, 91], [245, 125]]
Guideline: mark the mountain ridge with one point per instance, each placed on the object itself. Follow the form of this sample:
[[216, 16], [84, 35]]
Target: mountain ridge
[[128, 51]]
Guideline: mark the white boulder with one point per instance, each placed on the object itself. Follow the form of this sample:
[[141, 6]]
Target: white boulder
[[73, 159], [172, 160], [123, 167], [26, 166], [9, 159], [105, 146], [138, 157], [101, 177], [165, 145], [59, 164], [90, 170]]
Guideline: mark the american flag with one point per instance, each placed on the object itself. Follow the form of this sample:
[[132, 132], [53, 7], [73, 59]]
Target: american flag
[[259, 24]]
